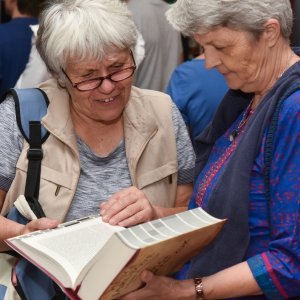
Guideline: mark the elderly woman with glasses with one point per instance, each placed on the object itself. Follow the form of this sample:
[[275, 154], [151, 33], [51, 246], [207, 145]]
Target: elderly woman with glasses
[[112, 147]]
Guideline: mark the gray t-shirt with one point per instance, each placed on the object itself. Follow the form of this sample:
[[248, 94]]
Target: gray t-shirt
[[100, 177], [163, 47]]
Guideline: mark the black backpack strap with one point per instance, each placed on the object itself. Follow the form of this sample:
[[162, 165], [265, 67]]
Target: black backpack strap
[[35, 156], [31, 106]]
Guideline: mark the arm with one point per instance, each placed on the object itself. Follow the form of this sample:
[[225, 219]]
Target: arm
[[131, 206], [10, 228], [277, 268], [2, 197], [236, 281], [183, 196]]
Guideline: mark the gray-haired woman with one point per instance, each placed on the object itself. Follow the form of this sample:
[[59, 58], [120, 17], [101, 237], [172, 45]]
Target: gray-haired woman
[[111, 146], [248, 159]]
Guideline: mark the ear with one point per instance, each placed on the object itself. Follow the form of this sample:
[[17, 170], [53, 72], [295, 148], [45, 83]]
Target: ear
[[272, 32]]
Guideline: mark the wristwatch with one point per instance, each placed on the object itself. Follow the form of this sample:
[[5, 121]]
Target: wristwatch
[[199, 288]]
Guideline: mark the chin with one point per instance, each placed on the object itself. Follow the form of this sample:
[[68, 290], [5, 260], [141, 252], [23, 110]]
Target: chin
[[111, 119]]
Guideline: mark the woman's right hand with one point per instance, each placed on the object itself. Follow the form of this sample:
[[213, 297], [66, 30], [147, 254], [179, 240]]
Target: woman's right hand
[[39, 224], [11, 228]]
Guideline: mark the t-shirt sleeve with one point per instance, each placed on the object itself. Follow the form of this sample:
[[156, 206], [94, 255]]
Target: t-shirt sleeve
[[177, 89], [11, 142], [277, 270], [185, 151]]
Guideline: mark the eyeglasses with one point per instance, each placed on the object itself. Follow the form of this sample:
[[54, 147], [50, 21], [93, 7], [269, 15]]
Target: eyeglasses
[[92, 84]]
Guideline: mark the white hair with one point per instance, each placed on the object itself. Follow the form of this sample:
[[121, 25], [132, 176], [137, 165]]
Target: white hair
[[85, 29], [200, 16]]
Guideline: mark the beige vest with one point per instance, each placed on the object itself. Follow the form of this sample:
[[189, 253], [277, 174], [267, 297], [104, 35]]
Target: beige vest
[[150, 150]]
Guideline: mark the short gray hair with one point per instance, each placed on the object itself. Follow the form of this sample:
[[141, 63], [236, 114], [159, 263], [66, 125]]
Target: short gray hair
[[200, 16], [85, 29]]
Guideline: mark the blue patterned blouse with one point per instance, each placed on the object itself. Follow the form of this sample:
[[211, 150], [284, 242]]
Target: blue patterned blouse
[[274, 250]]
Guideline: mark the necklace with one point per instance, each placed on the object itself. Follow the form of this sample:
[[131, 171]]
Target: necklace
[[248, 112], [213, 170]]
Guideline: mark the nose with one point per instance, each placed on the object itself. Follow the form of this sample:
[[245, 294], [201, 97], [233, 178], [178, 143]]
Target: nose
[[107, 86], [212, 59]]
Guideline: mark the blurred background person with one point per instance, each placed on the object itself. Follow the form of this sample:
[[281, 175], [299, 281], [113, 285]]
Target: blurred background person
[[15, 39], [163, 47], [35, 71], [197, 92]]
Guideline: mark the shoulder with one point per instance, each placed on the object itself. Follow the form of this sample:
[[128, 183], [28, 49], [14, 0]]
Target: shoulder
[[149, 98], [53, 91], [149, 107], [7, 108], [190, 71], [8, 120], [5, 33], [288, 127], [291, 105]]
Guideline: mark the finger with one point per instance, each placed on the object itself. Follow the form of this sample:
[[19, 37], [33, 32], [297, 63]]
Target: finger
[[40, 224], [136, 218], [118, 202], [123, 213], [122, 205], [146, 276], [114, 209]]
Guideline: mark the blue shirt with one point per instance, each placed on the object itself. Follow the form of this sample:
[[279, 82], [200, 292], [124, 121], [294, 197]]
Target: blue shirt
[[197, 93], [15, 47]]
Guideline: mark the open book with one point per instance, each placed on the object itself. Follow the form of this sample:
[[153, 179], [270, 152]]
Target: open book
[[91, 259]]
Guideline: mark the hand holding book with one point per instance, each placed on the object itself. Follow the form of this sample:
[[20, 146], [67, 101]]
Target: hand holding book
[[90, 259]]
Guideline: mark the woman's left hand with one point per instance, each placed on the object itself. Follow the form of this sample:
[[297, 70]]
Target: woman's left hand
[[161, 287], [127, 207]]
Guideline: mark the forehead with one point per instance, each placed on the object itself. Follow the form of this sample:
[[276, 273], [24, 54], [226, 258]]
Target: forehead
[[112, 57], [224, 35]]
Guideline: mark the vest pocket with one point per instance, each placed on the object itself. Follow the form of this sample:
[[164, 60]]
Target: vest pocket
[[56, 191], [165, 171]]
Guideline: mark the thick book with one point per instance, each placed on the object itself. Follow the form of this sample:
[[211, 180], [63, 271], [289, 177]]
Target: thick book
[[90, 259]]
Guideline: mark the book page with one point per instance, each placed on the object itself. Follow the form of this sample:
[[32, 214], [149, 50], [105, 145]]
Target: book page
[[72, 245], [202, 215], [177, 223], [163, 228], [130, 239]]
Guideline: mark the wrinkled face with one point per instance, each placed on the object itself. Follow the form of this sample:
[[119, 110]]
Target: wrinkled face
[[106, 102], [237, 55]]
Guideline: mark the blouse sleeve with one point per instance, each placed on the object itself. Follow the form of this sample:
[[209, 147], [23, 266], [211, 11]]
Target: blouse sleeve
[[277, 270], [185, 150], [11, 143]]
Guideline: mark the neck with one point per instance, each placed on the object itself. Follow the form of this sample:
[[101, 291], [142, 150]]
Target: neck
[[15, 13], [101, 137], [286, 61]]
